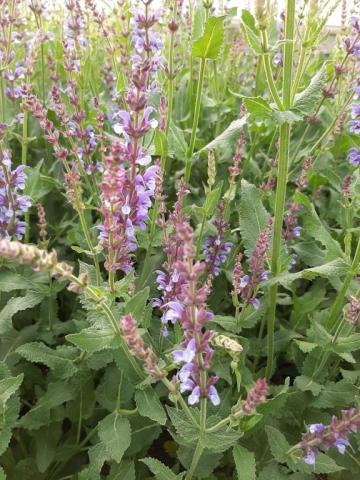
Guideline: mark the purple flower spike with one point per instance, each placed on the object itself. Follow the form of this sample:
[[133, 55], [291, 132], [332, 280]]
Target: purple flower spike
[[353, 157]]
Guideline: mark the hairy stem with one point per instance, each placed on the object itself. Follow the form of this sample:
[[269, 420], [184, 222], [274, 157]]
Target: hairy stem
[[281, 180]]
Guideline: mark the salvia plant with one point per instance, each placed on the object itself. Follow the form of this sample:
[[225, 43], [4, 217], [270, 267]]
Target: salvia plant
[[179, 240]]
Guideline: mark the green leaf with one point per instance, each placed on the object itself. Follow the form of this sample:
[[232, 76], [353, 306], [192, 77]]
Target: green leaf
[[2, 474], [93, 339], [46, 440], [160, 471], [276, 403], [10, 281], [210, 43], [9, 386], [56, 394], [348, 344], [8, 420], [314, 227], [161, 144], [253, 215], [198, 23], [285, 117], [38, 185], [305, 383], [149, 405], [212, 200], [115, 434], [245, 463], [228, 137], [336, 395], [257, 107], [56, 360], [323, 464], [124, 471], [279, 446], [15, 305], [250, 32], [218, 441], [176, 142], [137, 304], [333, 269], [306, 102]]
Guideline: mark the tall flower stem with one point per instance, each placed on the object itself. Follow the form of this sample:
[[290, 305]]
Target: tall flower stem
[[87, 236], [170, 89], [2, 99], [24, 149], [199, 90], [282, 175]]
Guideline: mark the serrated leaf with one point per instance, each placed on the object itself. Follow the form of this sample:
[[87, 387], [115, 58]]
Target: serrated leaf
[[315, 227], [335, 268], [9, 386], [93, 339], [15, 305], [218, 441], [56, 394], [305, 383], [161, 144], [228, 136], [137, 304], [124, 471], [115, 433], [46, 440], [336, 394], [253, 215], [257, 107], [161, 471], [278, 444], [245, 463], [198, 23], [210, 43], [307, 101], [149, 405], [7, 422], [348, 344], [250, 32], [274, 404], [287, 116], [56, 360], [176, 142], [10, 281]]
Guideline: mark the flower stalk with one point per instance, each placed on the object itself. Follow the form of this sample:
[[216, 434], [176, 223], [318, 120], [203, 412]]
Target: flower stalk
[[282, 175]]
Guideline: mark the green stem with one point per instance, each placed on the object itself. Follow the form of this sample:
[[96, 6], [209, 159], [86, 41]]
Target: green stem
[[194, 463], [268, 71], [150, 245], [281, 181], [90, 245], [196, 120], [170, 92]]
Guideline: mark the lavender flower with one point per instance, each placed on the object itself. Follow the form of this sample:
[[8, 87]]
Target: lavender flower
[[353, 157], [137, 347], [256, 396], [246, 285], [168, 280], [323, 437], [191, 312], [216, 250], [127, 190], [12, 203]]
